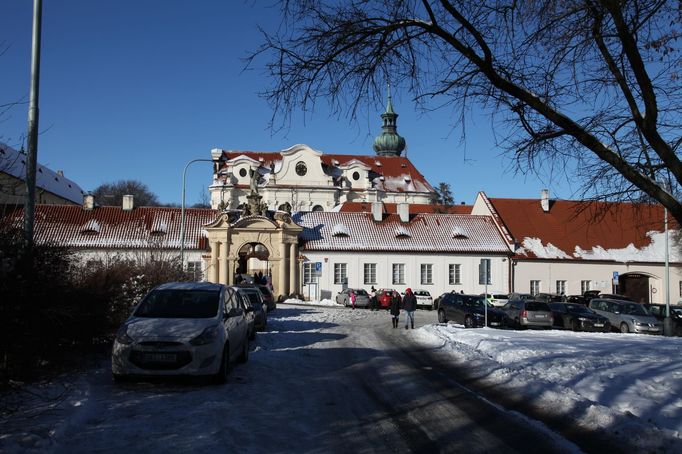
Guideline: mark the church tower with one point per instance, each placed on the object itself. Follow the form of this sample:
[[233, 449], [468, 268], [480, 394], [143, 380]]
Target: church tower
[[389, 142]]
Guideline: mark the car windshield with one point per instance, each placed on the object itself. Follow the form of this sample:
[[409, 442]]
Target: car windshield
[[537, 306], [253, 297], [578, 309], [421, 293], [500, 297], [176, 303], [473, 301], [360, 292], [633, 309]]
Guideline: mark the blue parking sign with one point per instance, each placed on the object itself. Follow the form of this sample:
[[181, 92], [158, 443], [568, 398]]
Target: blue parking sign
[[318, 266]]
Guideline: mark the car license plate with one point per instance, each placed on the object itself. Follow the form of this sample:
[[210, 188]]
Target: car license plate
[[540, 316], [160, 357], [599, 325]]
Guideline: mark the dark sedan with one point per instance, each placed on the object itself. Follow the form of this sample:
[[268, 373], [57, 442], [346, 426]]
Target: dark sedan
[[659, 311], [577, 317], [468, 310]]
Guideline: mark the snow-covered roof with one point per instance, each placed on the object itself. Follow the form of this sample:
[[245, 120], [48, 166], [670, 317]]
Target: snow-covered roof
[[13, 163], [576, 230], [113, 227], [388, 173], [424, 232]]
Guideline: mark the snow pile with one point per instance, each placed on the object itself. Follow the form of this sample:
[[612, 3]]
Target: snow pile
[[621, 384], [550, 251], [324, 302]]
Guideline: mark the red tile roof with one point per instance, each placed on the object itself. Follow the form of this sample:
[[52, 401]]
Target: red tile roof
[[390, 167], [366, 207], [112, 227], [587, 225], [330, 231]]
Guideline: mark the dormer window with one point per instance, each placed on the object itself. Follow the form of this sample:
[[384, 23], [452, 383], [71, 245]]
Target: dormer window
[[159, 229], [356, 176], [402, 232], [340, 230], [91, 228], [459, 233], [242, 172]]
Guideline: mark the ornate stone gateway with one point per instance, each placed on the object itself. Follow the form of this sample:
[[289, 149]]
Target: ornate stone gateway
[[271, 237]]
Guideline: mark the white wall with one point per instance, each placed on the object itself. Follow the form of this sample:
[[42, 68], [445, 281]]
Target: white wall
[[600, 275], [440, 265]]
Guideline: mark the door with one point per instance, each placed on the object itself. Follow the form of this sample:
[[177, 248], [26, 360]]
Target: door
[[635, 286]]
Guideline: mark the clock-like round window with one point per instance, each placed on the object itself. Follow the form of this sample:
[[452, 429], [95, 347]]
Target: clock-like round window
[[301, 169], [242, 173], [356, 176]]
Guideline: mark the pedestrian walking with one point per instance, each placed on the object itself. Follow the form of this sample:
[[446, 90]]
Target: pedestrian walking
[[409, 306], [352, 299], [373, 299], [394, 309]]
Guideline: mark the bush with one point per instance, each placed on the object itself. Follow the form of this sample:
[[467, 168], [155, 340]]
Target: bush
[[55, 308]]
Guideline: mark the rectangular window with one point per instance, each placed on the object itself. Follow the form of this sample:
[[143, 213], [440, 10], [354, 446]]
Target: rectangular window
[[398, 273], [584, 286], [561, 287], [340, 276], [455, 274], [308, 272], [426, 273], [534, 287], [484, 272], [370, 273], [194, 271]]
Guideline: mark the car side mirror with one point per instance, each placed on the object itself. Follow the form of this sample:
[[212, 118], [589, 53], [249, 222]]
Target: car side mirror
[[235, 311]]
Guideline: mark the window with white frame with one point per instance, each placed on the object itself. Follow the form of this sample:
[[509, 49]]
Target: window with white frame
[[455, 274], [398, 273], [308, 273], [340, 276], [370, 273], [584, 286], [561, 287], [534, 287], [194, 270], [426, 273]]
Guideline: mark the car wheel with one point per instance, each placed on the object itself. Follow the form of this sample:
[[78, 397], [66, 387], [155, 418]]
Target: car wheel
[[575, 326], [441, 317], [224, 369], [468, 322], [244, 356], [624, 328]]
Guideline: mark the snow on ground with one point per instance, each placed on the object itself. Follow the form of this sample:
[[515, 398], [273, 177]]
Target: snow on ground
[[619, 383]]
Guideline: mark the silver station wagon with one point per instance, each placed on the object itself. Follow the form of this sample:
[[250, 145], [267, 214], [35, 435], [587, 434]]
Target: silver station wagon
[[626, 316]]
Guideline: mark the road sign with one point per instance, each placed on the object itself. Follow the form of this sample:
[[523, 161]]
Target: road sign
[[318, 268], [615, 277]]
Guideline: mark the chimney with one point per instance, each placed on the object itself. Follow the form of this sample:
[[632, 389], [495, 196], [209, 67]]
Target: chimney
[[377, 211], [127, 202], [88, 202], [544, 200], [404, 212]]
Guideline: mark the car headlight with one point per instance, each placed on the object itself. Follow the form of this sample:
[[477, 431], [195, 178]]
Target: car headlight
[[637, 322], [583, 319], [122, 336], [207, 336]]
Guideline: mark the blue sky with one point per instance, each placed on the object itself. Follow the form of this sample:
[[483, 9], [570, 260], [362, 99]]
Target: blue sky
[[136, 89]]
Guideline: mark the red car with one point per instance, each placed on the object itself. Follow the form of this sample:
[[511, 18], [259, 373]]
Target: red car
[[384, 296]]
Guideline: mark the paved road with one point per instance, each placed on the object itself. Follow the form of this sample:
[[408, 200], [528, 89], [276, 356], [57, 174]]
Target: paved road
[[321, 380]]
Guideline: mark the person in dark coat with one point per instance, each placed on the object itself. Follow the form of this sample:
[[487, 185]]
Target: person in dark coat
[[394, 309], [409, 305]]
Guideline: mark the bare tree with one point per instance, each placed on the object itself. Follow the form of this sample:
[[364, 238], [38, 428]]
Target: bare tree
[[591, 85], [112, 193]]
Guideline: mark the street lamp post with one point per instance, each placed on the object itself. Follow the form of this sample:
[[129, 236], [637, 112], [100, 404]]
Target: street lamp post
[[182, 210], [667, 321]]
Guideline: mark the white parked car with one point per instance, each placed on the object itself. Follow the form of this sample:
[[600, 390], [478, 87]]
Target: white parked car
[[497, 299], [183, 328], [424, 298]]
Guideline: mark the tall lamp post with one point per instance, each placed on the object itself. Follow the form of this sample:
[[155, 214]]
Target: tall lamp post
[[667, 321], [182, 209]]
